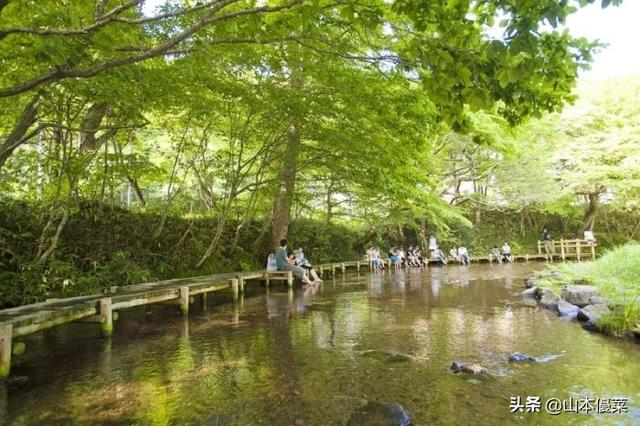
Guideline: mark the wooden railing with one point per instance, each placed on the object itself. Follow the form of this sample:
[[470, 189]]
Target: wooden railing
[[569, 249]]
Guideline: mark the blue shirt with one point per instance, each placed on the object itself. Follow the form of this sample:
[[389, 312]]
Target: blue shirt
[[281, 258]]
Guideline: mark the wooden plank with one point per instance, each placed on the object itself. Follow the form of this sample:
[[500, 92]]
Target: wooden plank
[[208, 288], [24, 328]]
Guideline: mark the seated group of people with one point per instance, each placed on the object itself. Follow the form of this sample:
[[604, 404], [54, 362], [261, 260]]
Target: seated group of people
[[460, 254], [501, 254], [412, 258], [295, 262], [373, 255]]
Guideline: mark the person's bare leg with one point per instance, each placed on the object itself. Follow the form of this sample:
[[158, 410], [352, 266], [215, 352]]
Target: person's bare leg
[[315, 275]]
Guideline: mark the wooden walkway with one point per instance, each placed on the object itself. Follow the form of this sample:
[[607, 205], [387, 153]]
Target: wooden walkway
[[102, 308]]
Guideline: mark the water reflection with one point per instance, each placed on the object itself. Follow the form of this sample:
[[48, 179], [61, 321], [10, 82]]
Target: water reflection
[[282, 356]]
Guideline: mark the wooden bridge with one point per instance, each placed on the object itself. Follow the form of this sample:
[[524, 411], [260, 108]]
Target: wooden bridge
[[102, 308]]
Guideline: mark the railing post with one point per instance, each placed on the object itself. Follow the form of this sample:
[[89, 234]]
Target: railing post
[[241, 283], [562, 249], [234, 288], [343, 268], [333, 269], [539, 247], [6, 332], [290, 279], [266, 279], [593, 251], [106, 317], [578, 244], [184, 300]]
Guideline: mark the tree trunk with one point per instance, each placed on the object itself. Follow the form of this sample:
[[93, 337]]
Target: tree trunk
[[90, 125], [284, 198], [136, 187], [329, 203], [213, 246], [18, 135], [589, 218], [424, 244]]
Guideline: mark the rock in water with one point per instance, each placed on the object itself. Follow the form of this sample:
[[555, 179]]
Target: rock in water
[[530, 292], [550, 299], [579, 294], [590, 326], [566, 309], [518, 357], [530, 282], [592, 312], [387, 356], [375, 413], [461, 367]]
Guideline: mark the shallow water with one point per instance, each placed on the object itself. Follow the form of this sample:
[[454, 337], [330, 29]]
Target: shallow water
[[319, 356]]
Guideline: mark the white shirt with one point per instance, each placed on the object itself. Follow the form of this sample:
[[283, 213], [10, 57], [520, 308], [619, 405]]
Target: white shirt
[[588, 235], [462, 251]]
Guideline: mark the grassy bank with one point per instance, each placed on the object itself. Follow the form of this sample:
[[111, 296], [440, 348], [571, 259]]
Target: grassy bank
[[617, 276], [103, 246]]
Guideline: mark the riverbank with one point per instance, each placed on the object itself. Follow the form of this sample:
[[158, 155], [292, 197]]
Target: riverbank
[[604, 294]]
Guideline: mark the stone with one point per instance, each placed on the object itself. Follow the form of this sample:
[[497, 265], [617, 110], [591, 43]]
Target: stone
[[550, 299], [579, 294], [387, 356], [530, 282], [530, 292], [592, 312], [566, 309], [556, 275], [590, 326], [598, 300], [375, 413], [518, 357], [461, 367]]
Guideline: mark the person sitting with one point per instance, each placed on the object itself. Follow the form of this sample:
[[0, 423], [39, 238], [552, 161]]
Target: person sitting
[[285, 264], [302, 261], [402, 257], [412, 261], [418, 254], [271, 263], [439, 256], [589, 237], [368, 255], [506, 252], [464, 255], [433, 245], [454, 254], [378, 263], [392, 256], [495, 255]]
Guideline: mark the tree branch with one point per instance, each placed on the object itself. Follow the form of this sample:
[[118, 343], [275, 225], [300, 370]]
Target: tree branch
[[69, 72]]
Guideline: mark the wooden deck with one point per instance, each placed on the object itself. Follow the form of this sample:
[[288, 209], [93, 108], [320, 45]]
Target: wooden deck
[[102, 308]]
